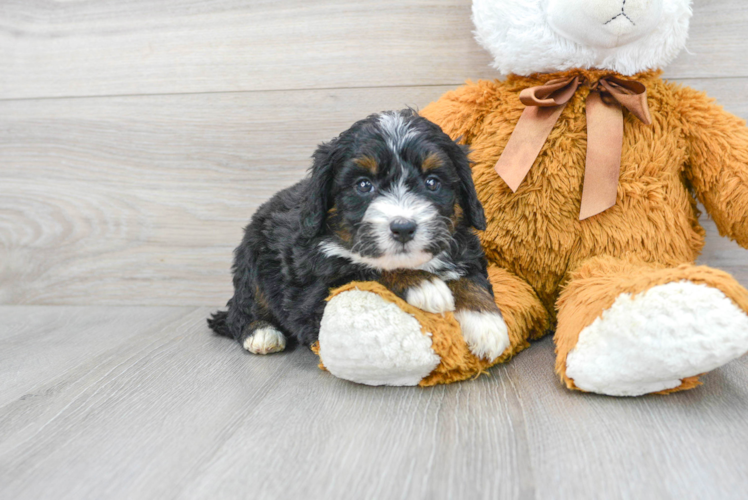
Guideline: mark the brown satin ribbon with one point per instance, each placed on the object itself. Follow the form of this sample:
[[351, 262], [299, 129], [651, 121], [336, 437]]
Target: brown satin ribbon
[[544, 105]]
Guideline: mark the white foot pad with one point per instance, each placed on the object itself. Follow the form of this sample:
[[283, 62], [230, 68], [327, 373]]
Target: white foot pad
[[431, 296], [265, 340], [486, 333], [650, 342], [366, 339]]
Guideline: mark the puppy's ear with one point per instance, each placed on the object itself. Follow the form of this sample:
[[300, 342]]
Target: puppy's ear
[[317, 201], [468, 197]]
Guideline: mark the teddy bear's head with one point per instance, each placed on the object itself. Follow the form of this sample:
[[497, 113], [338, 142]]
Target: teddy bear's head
[[544, 36]]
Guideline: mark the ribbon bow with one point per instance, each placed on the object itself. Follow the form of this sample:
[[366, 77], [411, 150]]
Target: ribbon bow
[[544, 105]]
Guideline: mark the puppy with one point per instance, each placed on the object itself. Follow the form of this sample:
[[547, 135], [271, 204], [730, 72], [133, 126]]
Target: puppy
[[391, 199]]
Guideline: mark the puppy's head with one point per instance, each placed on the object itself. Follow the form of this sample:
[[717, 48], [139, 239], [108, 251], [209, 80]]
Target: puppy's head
[[391, 192]]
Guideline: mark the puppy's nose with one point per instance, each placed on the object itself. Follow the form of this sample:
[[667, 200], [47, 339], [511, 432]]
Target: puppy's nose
[[403, 229]]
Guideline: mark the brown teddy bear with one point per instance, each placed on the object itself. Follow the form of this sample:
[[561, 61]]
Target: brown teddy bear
[[588, 165]]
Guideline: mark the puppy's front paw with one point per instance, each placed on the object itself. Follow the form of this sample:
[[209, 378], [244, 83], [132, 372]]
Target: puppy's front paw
[[485, 332], [432, 296], [265, 340]]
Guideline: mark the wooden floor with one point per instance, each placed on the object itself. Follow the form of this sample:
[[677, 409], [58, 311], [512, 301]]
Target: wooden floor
[[137, 138], [143, 402]]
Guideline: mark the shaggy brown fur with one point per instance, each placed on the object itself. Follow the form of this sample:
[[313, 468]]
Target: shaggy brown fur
[[535, 242], [521, 309], [457, 362]]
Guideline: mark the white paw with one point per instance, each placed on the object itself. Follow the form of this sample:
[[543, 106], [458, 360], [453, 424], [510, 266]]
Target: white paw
[[486, 333], [265, 340], [431, 296], [650, 342]]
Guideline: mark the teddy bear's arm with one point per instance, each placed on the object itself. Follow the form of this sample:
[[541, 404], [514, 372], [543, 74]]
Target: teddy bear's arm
[[718, 161], [460, 113]]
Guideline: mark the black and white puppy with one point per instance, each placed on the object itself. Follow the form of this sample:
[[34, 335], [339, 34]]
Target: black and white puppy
[[391, 199]]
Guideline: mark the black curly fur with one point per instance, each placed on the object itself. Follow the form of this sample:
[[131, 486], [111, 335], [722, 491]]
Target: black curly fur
[[281, 274], [218, 323]]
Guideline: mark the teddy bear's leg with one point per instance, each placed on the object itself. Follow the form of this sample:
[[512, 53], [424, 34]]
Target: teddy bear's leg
[[627, 328], [523, 313], [370, 336]]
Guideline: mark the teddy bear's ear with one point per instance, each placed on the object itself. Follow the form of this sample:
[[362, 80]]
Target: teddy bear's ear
[[469, 202]]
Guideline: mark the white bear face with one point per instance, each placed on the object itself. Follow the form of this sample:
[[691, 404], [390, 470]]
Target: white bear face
[[543, 36], [604, 23]]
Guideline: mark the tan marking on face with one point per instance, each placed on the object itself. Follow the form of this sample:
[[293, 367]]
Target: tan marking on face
[[456, 216], [430, 162], [369, 163], [344, 234], [334, 223]]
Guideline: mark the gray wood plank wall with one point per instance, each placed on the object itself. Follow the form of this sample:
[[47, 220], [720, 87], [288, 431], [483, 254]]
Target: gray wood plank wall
[[136, 138]]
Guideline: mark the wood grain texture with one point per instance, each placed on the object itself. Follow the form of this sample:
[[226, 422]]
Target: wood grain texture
[[687, 445], [39, 346], [141, 200], [100, 47], [175, 46], [175, 412]]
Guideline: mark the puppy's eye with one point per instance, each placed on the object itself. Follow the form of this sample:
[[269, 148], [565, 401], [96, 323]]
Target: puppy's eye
[[433, 184], [364, 186]]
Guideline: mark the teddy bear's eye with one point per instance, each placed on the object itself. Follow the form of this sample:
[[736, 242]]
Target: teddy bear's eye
[[364, 186]]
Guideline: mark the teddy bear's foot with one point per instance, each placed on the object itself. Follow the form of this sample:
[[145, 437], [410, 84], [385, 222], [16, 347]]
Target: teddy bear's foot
[[369, 340], [652, 341], [371, 336], [628, 327]]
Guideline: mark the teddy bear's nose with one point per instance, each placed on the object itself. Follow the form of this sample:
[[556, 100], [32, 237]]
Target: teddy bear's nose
[[603, 23], [621, 23]]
